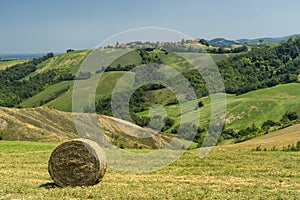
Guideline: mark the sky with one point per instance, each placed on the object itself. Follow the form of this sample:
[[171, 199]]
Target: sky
[[39, 26]]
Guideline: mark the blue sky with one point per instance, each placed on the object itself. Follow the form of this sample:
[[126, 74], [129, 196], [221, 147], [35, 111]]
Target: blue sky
[[37, 26]]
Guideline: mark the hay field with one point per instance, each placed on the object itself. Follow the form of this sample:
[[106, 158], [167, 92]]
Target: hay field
[[223, 174]]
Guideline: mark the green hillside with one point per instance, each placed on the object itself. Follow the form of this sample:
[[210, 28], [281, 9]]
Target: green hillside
[[258, 106], [71, 62], [104, 88], [63, 101], [241, 73], [130, 58], [244, 110], [52, 92]]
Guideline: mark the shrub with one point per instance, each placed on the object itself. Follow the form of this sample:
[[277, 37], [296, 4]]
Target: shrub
[[269, 123], [289, 116], [200, 104], [229, 133]]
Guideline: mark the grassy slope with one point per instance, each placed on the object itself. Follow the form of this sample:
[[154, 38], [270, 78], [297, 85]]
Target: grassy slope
[[64, 101], [277, 139], [131, 58], [36, 124], [258, 106], [220, 175], [253, 107], [46, 94], [71, 61], [162, 96], [40, 124], [9, 63]]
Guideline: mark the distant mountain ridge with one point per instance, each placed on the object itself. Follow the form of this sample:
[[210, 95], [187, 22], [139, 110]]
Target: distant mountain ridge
[[226, 42]]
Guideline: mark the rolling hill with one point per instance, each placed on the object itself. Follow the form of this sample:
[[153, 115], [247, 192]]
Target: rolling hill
[[59, 97], [246, 109], [254, 80], [241, 73], [41, 124]]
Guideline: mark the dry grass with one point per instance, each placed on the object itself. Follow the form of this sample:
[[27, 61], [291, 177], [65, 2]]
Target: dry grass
[[278, 139], [220, 175], [43, 124]]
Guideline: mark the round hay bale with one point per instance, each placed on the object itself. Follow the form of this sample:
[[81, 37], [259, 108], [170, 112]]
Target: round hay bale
[[77, 163]]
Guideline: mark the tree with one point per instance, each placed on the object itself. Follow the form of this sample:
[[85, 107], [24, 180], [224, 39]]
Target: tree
[[182, 41], [69, 50], [221, 50], [204, 42]]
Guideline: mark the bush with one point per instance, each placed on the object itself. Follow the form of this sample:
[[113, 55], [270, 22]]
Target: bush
[[270, 123], [200, 104], [169, 121], [292, 116], [141, 120], [229, 133]]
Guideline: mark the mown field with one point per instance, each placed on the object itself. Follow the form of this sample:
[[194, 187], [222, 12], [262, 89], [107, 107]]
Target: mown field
[[222, 174]]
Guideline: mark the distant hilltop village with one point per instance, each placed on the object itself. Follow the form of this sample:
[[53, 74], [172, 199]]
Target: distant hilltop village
[[154, 44], [118, 45]]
